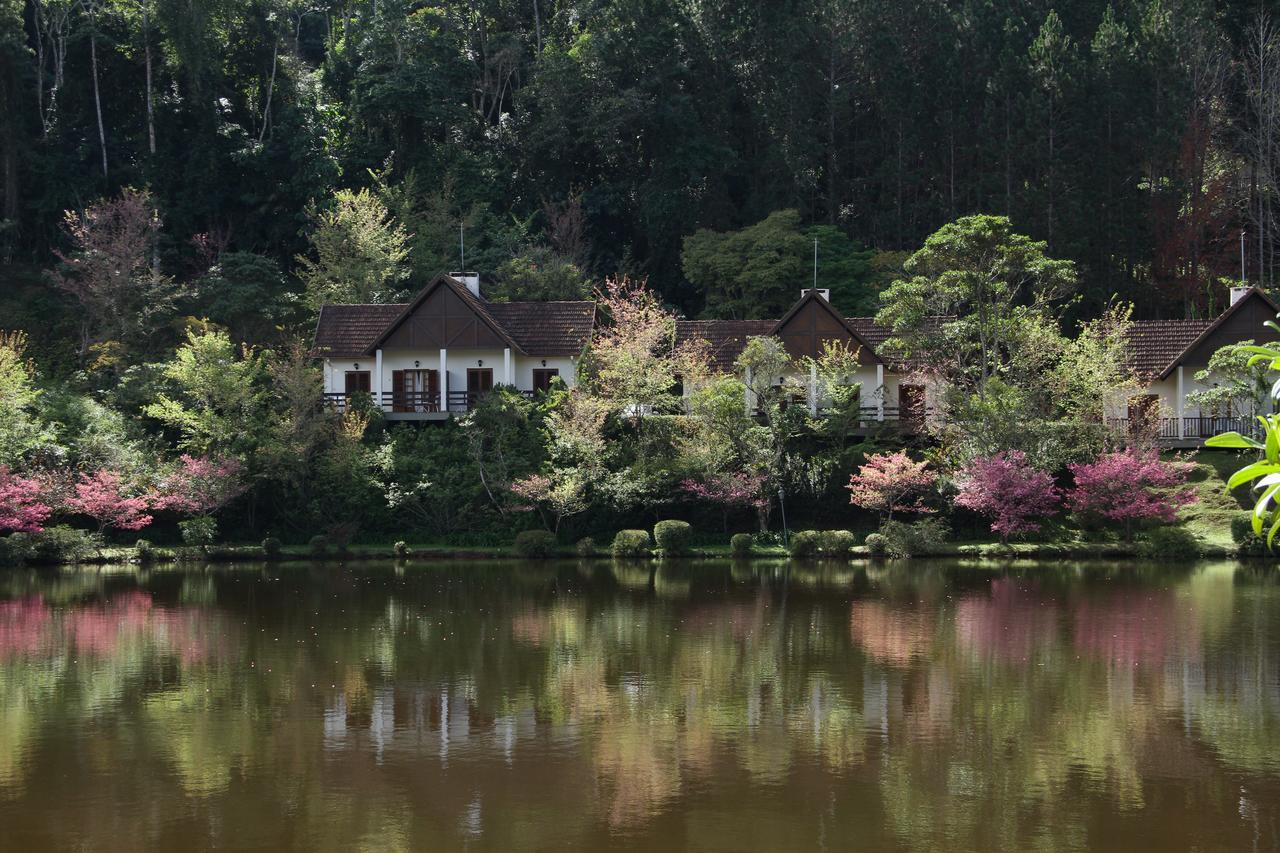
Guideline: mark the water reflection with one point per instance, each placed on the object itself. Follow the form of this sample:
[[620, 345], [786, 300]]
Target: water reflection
[[583, 705]]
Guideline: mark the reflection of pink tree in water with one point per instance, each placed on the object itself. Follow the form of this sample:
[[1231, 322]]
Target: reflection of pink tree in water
[[1135, 627], [891, 634], [29, 627], [1009, 623]]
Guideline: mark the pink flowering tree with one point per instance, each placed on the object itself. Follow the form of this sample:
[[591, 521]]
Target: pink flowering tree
[[104, 497], [22, 508], [1131, 488], [891, 482], [1008, 490], [200, 485], [736, 490]]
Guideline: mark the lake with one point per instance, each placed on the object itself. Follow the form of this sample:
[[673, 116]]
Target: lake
[[704, 706]]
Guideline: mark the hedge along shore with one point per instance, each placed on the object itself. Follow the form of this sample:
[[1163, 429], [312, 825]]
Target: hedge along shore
[[985, 550]]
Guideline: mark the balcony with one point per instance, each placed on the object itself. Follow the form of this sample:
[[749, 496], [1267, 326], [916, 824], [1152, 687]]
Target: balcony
[[1194, 429], [415, 405]]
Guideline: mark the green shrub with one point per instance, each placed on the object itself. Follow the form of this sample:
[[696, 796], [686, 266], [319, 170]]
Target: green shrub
[[199, 531], [804, 544], [537, 544], [15, 549], [837, 544], [877, 545], [631, 543], [319, 545], [1242, 534], [913, 540], [585, 547], [143, 551], [672, 537], [271, 548], [741, 544], [63, 544], [400, 549], [1174, 542]]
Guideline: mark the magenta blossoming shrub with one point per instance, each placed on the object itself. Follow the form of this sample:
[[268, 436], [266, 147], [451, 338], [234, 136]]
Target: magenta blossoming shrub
[[1008, 490], [1130, 488], [21, 506]]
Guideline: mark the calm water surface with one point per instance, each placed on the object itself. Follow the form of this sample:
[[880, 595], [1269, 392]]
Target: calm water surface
[[712, 707]]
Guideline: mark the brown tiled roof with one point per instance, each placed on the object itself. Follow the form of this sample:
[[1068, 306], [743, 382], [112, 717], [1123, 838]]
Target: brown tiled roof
[[727, 337], [546, 328], [536, 328], [348, 330], [1156, 344]]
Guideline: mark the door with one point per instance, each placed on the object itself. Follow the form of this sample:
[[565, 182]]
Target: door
[[542, 379], [1144, 414], [415, 391], [911, 405], [479, 383]]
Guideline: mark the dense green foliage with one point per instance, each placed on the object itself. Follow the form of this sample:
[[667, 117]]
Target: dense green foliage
[[631, 543], [537, 544], [705, 145], [672, 537]]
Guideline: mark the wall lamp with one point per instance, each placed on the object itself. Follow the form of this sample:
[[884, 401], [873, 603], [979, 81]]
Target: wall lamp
[[479, 362], [544, 362], [356, 365], [415, 362]]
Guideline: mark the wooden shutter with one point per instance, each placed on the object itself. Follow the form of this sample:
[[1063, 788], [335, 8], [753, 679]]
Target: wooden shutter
[[398, 401]]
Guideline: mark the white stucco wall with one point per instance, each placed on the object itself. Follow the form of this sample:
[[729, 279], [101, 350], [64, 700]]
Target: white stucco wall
[[457, 364]]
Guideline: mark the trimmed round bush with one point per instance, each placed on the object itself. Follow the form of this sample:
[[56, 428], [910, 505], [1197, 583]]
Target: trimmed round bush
[[585, 547], [200, 531], [672, 537], [741, 544], [805, 544], [400, 549], [63, 544], [15, 549], [1170, 543], [271, 548], [877, 545], [838, 544], [535, 544], [921, 538], [631, 543], [318, 545], [144, 551]]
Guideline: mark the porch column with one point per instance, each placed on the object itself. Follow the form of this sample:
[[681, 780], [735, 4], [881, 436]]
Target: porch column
[[747, 395], [377, 378], [508, 377], [880, 392], [813, 390], [444, 380], [1178, 404]]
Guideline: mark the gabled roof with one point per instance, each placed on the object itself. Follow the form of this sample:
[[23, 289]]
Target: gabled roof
[[1253, 293], [815, 296], [727, 338], [547, 328], [347, 331], [1156, 346], [477, 305], [553, 329]]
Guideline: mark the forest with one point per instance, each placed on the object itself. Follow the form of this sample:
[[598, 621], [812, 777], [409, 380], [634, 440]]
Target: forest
[[1137, 139], [183, 183]]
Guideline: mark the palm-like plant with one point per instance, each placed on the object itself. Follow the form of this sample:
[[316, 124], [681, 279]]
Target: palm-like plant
[[1264, 473]]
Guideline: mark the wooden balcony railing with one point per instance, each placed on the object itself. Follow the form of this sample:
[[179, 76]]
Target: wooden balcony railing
[[410, 402]]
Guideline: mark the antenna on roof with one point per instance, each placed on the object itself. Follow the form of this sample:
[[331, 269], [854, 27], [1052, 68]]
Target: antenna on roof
[[815, 263], [462, 248], [1242, 279]]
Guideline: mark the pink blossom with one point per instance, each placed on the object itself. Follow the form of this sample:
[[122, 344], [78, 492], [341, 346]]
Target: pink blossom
[[891, 482], [199, 486], [736, 489], [101, 496], [1006, 488], [21, 507], [1130, 487]]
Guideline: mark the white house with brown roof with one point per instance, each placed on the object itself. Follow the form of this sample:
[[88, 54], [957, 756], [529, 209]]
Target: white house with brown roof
[[1167, 355], [436, 355]]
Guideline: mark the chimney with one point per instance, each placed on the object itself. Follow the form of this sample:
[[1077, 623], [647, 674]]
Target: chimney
[[825, 293], [1237, 293], [470, 279]]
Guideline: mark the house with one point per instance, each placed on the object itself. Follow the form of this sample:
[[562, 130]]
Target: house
[[436, 355], [1166, 355], [893, 390]]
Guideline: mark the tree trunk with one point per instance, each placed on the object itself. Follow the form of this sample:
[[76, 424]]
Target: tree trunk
[[97, 97], [271, 87], [146, 47]]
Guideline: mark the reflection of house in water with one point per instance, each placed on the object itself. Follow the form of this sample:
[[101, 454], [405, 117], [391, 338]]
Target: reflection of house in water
[[423, 720]]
